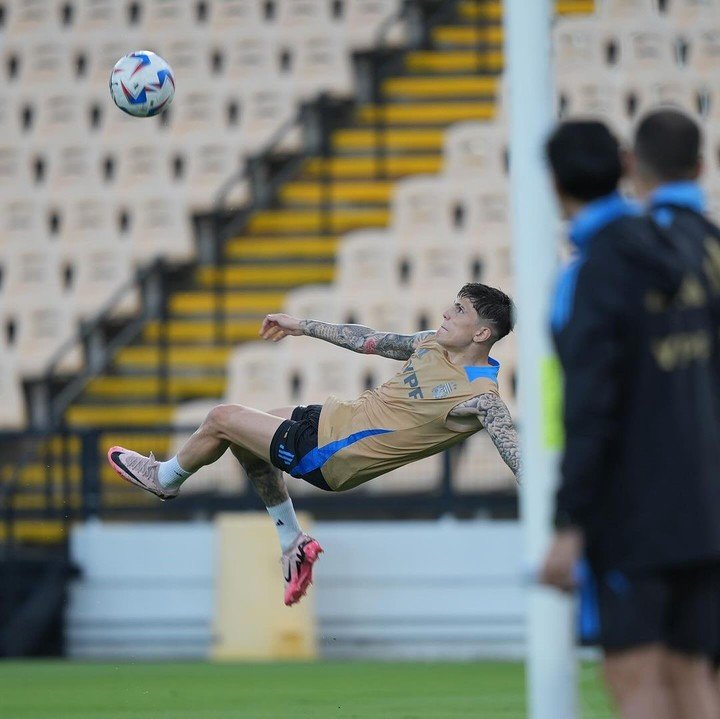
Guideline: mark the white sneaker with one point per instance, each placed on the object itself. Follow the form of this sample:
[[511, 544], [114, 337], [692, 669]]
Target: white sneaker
[[140, 470]]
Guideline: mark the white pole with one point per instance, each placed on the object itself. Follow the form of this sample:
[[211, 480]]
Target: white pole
[[551, 680]]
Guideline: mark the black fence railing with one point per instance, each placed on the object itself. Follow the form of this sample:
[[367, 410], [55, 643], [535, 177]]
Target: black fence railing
[[70, 480]]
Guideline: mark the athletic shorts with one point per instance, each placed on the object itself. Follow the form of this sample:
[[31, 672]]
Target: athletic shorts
[[295, 438], [679, 608]]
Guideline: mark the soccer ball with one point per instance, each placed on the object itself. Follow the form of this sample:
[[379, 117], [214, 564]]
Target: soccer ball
[[142, 84]]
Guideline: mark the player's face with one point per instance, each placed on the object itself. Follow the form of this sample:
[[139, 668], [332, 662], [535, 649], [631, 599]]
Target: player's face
[[460, 324]]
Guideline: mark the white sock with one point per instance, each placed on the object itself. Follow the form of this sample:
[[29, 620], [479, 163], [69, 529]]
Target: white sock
[[171, 474], [286, 523]]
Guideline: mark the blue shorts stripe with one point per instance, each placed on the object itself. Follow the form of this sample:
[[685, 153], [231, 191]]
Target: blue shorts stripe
[[317, 457]]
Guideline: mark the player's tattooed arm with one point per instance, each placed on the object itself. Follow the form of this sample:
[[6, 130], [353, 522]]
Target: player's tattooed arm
[[357, 338], [495, 417], [364, 339]]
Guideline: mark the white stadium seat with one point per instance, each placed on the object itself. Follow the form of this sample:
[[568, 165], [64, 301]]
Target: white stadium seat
[[438, 264], [324, 369], [43, 326], [258, 374], [99, 270], [300, 14], [200, 167], [650, 49], [33, 18], [160, 226], [252, 58], [318, 302], [30, 271], [318, 60], [96, 18], [168, 17], [420, 209], [578, 45], [23, 219], [229, 17], [366, 261], [693, 14], [704, 52], [388, 311], [624, 10], [363, 19], [475, 150]]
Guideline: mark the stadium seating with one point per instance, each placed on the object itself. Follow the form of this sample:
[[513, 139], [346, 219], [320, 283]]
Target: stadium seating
[[406, 224]]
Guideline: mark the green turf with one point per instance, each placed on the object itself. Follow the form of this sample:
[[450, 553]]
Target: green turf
[[341, 690]]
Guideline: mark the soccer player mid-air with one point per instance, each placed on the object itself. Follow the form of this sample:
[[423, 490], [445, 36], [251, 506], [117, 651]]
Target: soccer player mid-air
[[445, 392]]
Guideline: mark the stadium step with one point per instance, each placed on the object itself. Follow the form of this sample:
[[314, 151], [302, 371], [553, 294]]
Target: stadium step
[[203, 330], [36, 531], [472, 10], [442, 87], [114, 388], [147, 357], [376, 192], [462, 61], [284, 276], [363, 167], [272, 247], [413, 140], [94, 417], [293, 221], [446, 36], [195, 303], [428, 113]]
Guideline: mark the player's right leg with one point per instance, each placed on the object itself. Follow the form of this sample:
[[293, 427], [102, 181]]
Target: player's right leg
[[637, 682]]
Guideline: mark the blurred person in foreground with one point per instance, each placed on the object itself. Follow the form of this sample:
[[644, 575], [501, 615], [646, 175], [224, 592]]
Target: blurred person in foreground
[[445, 391], [638, 494], [666, 165]]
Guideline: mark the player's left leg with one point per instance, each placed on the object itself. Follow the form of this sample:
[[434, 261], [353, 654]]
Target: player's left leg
[[300, 551], [637, 682], [693, 641], [693, 686], [247, 428]]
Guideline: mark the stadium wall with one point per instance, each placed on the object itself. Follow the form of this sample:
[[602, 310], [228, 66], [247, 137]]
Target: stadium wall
[[415, 590]]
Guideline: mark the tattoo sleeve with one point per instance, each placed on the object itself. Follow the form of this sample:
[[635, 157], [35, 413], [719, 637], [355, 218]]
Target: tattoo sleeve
[[365, 340], [495, 417]]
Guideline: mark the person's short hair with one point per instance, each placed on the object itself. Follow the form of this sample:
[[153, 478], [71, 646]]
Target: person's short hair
[[585, 159], [492, 305], [667, 144]]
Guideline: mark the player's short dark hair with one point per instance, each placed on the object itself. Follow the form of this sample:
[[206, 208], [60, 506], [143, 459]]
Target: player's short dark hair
[[585, 159], [492, 305], [667, 144]]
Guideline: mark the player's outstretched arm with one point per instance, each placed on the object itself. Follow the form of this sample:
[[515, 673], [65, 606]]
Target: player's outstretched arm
[[494, 415], [353, 337]]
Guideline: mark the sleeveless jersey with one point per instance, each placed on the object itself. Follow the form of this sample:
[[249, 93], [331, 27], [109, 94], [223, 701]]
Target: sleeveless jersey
[[401, 421]]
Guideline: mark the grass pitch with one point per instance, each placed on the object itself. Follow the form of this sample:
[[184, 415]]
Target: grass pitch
[[322, 690]]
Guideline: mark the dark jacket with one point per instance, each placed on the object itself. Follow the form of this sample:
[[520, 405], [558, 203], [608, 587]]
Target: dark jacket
[[635, 336]]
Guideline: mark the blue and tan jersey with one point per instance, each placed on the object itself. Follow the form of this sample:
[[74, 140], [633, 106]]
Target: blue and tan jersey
[[401, 421]]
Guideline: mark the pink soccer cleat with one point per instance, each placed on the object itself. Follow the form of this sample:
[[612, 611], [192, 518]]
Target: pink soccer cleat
[[139, 470], [297, 565]]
